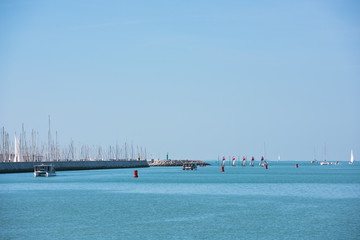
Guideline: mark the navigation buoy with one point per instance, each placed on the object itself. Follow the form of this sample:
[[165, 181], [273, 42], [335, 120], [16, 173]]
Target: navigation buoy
[[266, 166], [222, 168], [297, 165], [135, 173]]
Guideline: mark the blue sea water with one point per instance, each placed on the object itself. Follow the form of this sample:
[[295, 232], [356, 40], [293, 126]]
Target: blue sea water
[[282, 202]]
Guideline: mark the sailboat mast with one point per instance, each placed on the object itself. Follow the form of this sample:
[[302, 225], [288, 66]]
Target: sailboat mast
[[49, 142], [264, 151]]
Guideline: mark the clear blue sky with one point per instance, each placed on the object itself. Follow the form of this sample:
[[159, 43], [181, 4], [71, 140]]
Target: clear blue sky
[[196, 79]]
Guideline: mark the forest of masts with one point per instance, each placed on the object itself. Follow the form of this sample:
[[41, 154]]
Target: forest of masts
[[26, 148]]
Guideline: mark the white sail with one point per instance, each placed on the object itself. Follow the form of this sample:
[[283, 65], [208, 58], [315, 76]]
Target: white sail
[[351, 157], [17, 149]]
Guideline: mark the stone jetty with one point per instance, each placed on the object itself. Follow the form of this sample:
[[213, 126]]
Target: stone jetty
[[14, 167], [174, 163]]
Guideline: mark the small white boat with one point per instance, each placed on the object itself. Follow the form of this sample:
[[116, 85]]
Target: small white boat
[[44, 170], [324, 163], [351, 158]]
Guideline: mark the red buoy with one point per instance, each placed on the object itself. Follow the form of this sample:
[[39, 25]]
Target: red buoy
[[135, 173], [222, 168], [266, 166], [297, 165]]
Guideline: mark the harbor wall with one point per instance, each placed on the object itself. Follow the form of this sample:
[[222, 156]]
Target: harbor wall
[[14, 167], [175, 163]]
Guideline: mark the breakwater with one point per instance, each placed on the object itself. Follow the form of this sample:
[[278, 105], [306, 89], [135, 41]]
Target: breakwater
[[174, 163], [14, 167]]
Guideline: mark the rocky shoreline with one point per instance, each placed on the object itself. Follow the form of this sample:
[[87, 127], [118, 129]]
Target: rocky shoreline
[[175, 163]]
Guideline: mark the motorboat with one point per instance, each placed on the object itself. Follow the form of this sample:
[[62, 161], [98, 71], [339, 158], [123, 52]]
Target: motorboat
[[44, 170], [189, 166]]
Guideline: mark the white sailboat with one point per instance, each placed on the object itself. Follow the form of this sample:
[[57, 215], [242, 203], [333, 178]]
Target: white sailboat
[[324, 162], [351, 157], [243, 162], [252, 162], [314, 160], [263, 161]]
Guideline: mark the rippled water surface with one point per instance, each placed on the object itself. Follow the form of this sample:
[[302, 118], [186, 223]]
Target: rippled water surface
[[282, 202]]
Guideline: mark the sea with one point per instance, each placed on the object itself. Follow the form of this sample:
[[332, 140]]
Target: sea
[[281, 202]]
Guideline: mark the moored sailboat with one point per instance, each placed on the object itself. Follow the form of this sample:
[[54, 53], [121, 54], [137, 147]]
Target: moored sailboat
[[351, 157], [324, 162], [314, 160]]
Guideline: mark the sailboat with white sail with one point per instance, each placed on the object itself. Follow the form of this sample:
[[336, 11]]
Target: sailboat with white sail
[[351, 157], [243, 162], [324, 162], [233, 162], [252, 162], [263, 162]]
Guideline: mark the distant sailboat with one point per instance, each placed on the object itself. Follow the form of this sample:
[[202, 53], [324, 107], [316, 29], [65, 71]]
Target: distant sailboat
[[314, 160], [351, 158], [243, 162], [252, 162], [279, 158], [262, 162], [324, 162]]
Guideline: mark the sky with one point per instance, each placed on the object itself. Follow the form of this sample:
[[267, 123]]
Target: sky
[[196, 79]]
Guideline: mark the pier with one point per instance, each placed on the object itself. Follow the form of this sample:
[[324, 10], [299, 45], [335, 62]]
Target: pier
[[16, 167]]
